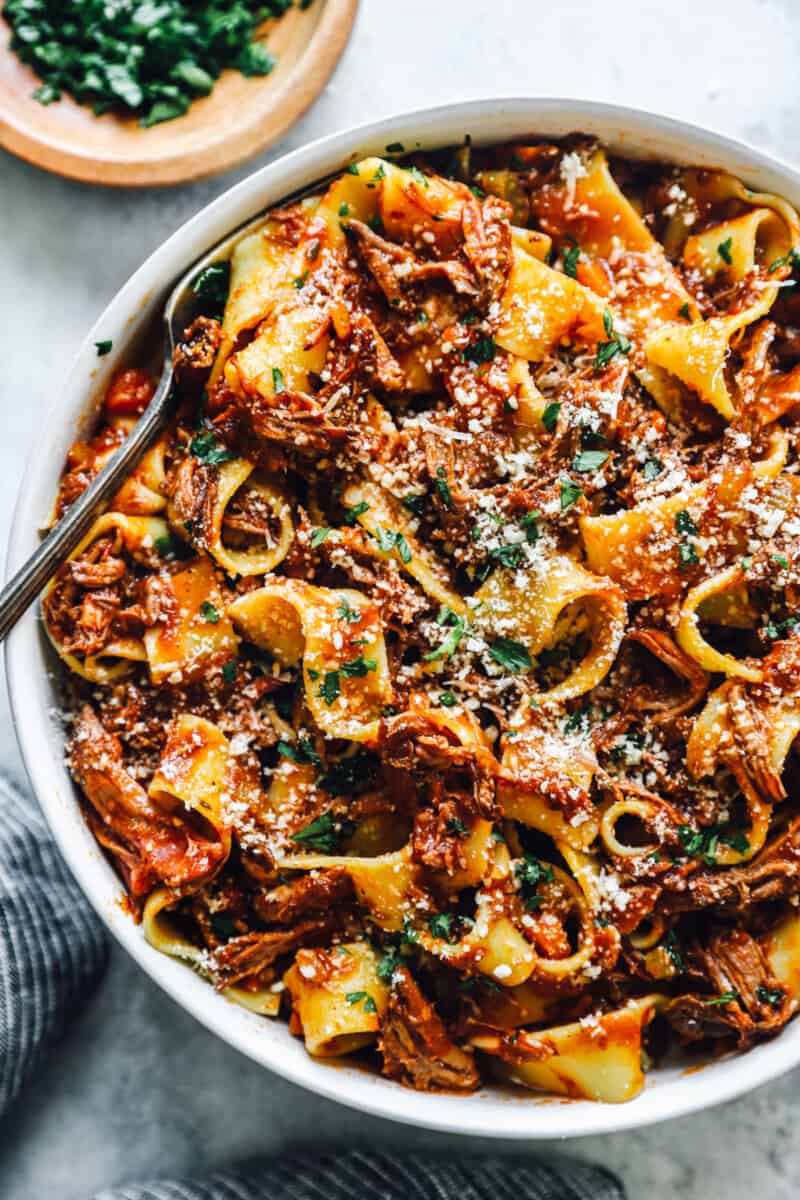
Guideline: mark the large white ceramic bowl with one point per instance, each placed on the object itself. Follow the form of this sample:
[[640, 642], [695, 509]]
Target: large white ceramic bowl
[[670, 1091]]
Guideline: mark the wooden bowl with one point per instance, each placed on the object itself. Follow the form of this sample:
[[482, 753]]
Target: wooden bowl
[[237, 120]]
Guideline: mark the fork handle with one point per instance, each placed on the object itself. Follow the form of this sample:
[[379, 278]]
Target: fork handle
[[23, 588]]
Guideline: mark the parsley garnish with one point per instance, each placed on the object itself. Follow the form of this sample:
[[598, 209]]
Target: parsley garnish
[[550, 415], [351, 515], [229, 670], [673, 949], [388, 963], [165, 545], [395, 148], [448, 699], [702, 843], [457, 827], [779, 629], [329, 688], [687, 552], [103, 348], [685, 524], [577, 722], [570, 492], [319, 535], [415, 503], [441, 925], [442, 487], [772, 996], [211, 287], [531, 872], [357, 668], [570, 257], [362, 997], [683, 311], [530, 524], [590, 460], [389, 540], [724, 250], [351, 615], [451, 643], [723, 997], [278, 384], [209, 613], [206, 447], [299, 282], [792, 257], [781, 560], [511, 655], [481, 351], [350, 776], [617, 343], [652, 469], [302, 752], [323, 834]]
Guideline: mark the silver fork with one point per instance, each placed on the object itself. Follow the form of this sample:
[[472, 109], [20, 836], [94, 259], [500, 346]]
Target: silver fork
[[182, 305]]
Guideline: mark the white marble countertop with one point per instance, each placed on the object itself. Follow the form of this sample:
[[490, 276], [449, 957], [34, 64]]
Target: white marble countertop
[[138, 1088]]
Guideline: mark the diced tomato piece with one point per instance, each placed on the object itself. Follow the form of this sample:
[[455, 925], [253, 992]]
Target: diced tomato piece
[[129, 394]]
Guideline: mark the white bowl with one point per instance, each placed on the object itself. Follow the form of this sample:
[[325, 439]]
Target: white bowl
[[670, 1091]]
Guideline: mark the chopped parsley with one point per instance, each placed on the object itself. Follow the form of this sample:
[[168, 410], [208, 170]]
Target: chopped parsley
[[209, 613], [724, 250], [351, 169], [617, 343], [772, 996], [456, 827], [779, 629], [570, 257], [350, 776], [590, 460], [529, 523], [364, 999], [448, 699], [323, 834], [448, 647], [388, 963], [687, 551], [347, 613], [673, 949], [683, 311], [577, 722], [652, 469], [481, 351], [723, 997], [211, 287], [357, 668], [319, 535], [351, 515], [300, 281], [550, 415], [165, 544], [389, 539], [792, 258], [443, 488], [441, 925], [781, 560], [510, 655], [329, 688], [395, 148], [531, 872], [301, 752], [230, 670], [570, 492], [415, 503], [147, 58], [278, 383], [208, 450], [703, 843], [103, 347]]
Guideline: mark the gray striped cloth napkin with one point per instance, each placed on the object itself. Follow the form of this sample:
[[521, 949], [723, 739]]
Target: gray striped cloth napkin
[[53, 951]]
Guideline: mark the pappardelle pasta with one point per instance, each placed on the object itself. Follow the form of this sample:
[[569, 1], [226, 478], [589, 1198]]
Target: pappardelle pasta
[[434, 680]]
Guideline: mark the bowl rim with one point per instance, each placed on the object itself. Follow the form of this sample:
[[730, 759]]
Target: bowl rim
[[489, 1112]]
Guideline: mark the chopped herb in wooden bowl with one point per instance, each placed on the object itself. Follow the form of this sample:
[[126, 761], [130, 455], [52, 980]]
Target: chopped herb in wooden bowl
[[148, 58]]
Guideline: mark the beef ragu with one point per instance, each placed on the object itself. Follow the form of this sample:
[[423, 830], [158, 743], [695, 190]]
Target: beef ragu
[[435, 678]]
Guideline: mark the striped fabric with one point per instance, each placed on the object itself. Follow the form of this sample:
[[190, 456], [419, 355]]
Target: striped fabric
[[374, 1176], [52, 948], [52, 952]]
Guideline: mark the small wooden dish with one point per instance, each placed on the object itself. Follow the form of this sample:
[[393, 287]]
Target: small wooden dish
[[237, 120]]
